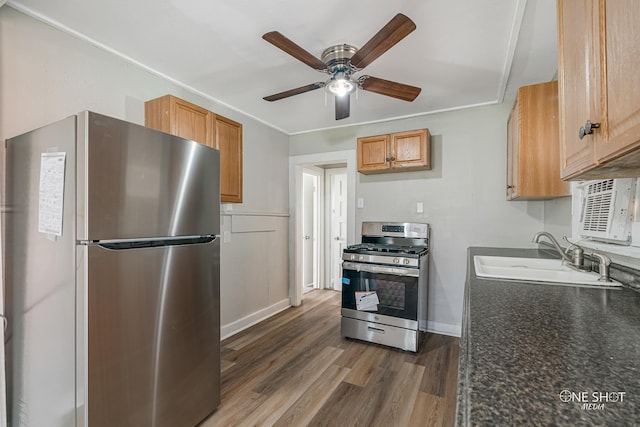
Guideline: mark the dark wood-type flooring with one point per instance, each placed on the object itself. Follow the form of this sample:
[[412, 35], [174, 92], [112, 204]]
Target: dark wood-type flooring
[[294, 369]]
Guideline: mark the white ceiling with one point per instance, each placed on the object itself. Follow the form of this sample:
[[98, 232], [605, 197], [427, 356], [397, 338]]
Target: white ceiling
[[463, 52]]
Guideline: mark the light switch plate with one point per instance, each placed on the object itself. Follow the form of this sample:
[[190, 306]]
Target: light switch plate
[[360, 202], [420, 207], [226, 236]]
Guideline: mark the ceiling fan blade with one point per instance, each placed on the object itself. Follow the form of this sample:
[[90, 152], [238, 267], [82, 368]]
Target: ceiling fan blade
[[398, 28], [296, 91], [283, 43], [389, 88], [343, 104]]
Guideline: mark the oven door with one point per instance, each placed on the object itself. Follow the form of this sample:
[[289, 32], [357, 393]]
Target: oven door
[[380, 290]]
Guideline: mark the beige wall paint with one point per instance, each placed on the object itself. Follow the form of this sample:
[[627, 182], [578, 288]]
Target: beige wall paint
[[46, 75], [463, 195]]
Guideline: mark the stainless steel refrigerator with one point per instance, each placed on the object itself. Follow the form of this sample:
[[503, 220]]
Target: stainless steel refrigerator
[[111, 276]]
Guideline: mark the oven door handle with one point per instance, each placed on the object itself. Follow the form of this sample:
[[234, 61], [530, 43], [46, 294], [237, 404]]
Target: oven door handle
[[372, 268]]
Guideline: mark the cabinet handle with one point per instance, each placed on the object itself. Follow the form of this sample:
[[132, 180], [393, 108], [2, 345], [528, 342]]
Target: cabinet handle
[[509, 187], [392, 158], [587, 129]]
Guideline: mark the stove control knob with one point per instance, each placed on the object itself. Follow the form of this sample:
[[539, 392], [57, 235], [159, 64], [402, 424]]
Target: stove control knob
[[406, 261], [396, 261]]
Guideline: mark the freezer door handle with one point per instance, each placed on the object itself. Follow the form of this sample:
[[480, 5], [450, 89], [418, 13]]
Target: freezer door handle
[[151, 243]]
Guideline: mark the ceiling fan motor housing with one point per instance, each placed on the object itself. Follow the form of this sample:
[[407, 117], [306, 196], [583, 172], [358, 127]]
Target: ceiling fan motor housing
[[337, 58]]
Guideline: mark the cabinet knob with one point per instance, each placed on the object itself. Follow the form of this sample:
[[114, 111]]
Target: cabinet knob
[[587, 129], [509, 187]]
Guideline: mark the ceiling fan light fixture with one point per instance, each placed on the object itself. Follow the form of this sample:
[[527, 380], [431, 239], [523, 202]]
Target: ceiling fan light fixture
[[341, 85]]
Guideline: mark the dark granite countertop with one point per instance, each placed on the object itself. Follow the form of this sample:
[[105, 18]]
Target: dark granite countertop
[[538, 354]]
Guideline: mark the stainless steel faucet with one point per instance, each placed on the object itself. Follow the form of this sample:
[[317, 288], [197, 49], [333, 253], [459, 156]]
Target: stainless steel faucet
[[576, 261], [539, 234]]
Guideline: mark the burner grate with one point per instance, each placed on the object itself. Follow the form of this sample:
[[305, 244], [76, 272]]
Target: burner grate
[[381, 249]]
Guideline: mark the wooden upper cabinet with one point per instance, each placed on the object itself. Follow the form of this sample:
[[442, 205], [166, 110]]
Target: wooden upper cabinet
[[373, 153], [621, 80], [599, 56], [577, 88], [186, 120], [178, 117], [396, 152], [533, 152], [228, 139], [411, 150]]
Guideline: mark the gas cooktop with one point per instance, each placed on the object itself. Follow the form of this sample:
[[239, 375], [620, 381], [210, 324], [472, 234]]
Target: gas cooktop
[[382, 249]]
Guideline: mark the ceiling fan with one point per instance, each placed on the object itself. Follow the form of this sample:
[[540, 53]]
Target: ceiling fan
[[342, 61]]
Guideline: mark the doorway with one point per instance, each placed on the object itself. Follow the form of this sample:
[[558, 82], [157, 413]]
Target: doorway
[[311, 224], [324, 226], [333, 221]]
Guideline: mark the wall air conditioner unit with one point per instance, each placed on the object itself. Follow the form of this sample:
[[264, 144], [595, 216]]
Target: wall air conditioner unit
[[606, 210]]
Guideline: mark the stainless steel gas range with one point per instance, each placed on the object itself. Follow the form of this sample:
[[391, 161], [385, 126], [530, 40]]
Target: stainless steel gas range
[[385, 285]]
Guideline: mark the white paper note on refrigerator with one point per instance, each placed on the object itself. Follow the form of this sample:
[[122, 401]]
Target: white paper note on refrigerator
[[51, 193]]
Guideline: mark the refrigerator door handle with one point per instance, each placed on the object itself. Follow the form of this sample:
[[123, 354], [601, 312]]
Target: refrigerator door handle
[[149, 243]]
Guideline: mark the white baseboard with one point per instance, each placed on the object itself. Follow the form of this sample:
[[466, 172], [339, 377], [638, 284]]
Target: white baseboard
[[444, 328], [241, 324]]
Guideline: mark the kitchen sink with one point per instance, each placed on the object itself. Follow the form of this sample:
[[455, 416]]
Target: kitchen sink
[[549, 271]]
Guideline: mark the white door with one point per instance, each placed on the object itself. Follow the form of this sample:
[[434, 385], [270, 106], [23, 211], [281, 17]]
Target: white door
[[336, 183], [309, 230], [297, 166]]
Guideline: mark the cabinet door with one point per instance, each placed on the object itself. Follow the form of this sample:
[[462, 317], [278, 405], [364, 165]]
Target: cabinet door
[[537, 174], [512, 153], [621, 82], [228, 139], [178, 117], [578, 82], [190, 122], [373, 153], [411, 150]]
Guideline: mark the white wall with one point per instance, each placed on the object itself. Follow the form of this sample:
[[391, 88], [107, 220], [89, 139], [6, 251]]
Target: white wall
[[557, 217], [46, 74], [463, 195]]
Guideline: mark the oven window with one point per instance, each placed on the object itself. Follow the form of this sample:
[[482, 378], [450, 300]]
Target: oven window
[[391, 294], [397, 295]]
